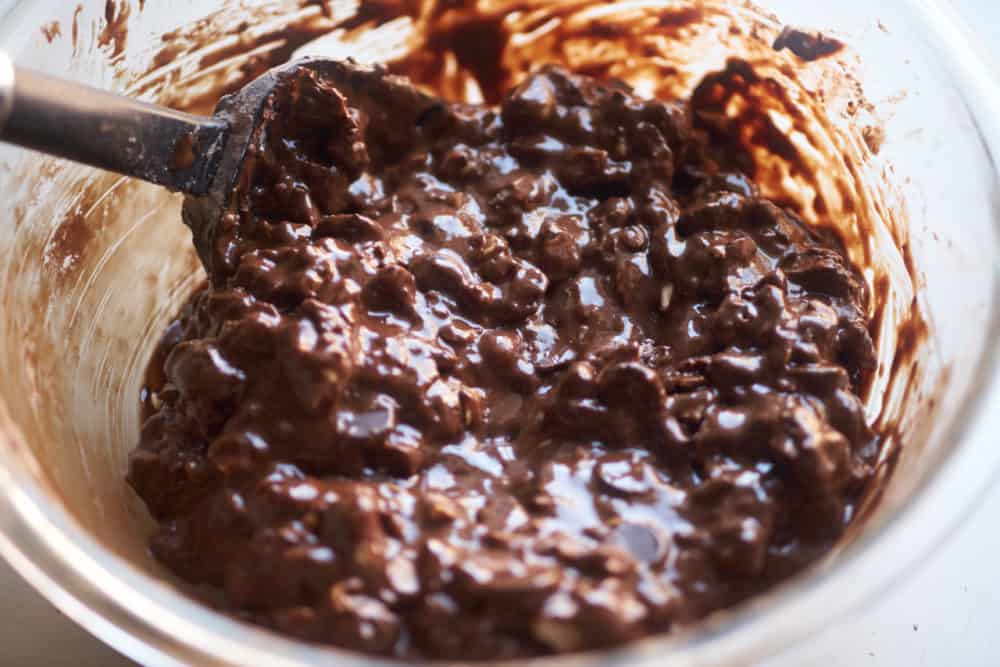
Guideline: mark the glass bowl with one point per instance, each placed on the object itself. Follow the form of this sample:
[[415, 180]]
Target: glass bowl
[[94, 266]]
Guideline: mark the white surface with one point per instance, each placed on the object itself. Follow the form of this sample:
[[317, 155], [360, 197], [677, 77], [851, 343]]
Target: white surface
[[946, 614]]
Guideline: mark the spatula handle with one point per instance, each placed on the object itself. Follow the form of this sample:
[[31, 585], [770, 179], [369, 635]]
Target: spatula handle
[[112, 132]]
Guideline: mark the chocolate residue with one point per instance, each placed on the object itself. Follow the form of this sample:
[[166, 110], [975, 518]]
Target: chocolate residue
[[874, 136], [51, 30], [183, 156], [70, 241], [220, 39], [808, 46], [679, 18], [457, 47], [114, 33], [912, 338], [733, 106], [76, 28]]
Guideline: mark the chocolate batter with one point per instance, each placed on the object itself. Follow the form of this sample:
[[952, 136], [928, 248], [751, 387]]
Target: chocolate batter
[[472, 382]]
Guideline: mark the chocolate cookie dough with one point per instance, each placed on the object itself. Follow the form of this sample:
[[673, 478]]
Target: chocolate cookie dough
[[473, 383]]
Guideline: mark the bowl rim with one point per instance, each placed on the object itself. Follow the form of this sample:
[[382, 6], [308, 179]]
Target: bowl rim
[[153, 623]]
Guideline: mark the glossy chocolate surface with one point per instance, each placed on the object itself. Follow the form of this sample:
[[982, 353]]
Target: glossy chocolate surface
[[476, 382]]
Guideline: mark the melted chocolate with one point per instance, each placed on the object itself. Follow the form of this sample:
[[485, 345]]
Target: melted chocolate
[[472, 382]]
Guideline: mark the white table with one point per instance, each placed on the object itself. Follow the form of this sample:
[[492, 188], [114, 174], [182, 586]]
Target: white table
[[948, 613]]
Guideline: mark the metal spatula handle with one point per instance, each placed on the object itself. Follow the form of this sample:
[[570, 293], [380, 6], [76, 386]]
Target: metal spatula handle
[[108, 131]]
